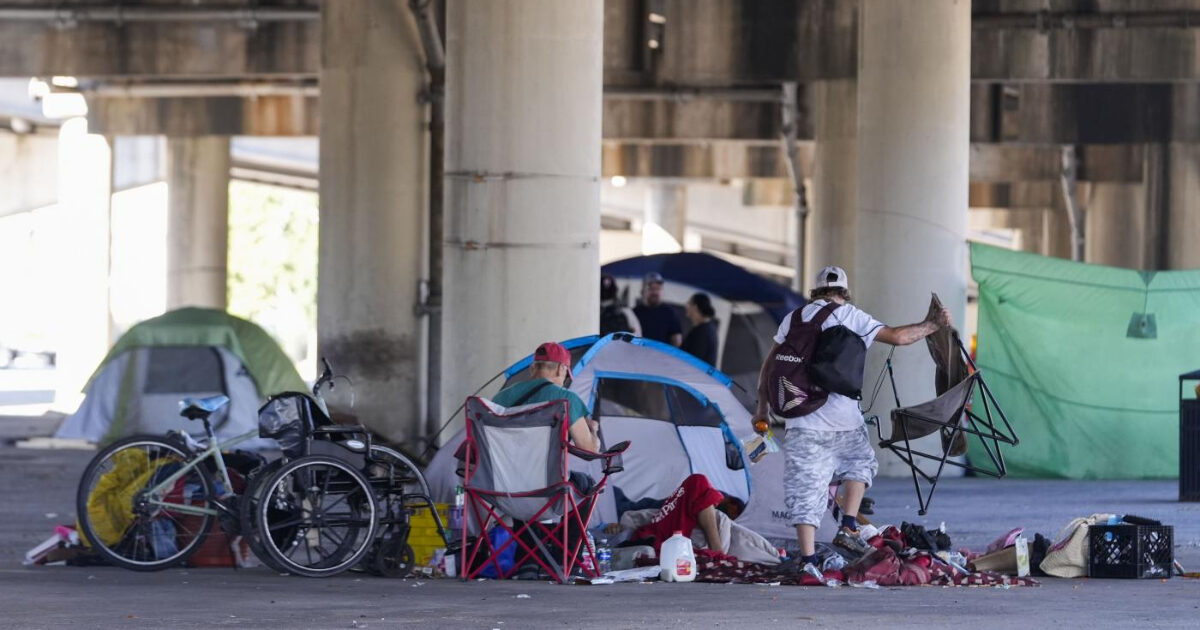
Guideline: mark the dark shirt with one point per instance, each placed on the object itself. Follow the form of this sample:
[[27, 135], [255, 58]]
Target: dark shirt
[[701, 342], [658, 322]]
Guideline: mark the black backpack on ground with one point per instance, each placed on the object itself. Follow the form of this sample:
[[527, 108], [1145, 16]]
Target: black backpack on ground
[[613, 320], [790, 390]]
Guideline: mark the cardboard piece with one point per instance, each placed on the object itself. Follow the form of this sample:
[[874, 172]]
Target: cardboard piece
[[1011, 560]]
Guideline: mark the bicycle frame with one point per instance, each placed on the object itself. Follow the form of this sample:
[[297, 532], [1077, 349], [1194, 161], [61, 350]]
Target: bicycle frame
[[213, 450]]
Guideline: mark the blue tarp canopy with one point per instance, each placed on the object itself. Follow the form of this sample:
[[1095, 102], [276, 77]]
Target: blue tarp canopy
[[713, 275]]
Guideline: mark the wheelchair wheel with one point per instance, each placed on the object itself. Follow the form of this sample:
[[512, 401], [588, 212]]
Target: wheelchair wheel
[[316, 516], [248, 506], [392, 473], [394, 558]]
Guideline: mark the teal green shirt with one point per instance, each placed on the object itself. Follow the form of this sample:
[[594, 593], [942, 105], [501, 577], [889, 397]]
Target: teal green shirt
[[510, 395]]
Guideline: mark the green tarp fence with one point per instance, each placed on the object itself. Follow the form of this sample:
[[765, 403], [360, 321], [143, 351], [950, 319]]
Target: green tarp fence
[[1085, 361]]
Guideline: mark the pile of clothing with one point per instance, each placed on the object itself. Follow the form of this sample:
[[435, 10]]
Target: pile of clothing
[[894, 560]]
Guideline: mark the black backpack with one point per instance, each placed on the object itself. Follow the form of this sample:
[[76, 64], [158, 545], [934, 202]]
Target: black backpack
[[839, 361], [613, 320], [790, 390]]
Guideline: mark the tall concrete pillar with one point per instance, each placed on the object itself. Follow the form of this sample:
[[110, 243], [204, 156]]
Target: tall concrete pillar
[[913, 148], [832, 222], [79, 290], [197, 221], [523, 102], [1183, 217], [1115, 225], [372, 198], [665, 209]]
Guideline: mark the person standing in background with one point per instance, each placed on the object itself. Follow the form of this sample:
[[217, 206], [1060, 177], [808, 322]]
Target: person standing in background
[[615, 316], [658, 320], [701, 340]]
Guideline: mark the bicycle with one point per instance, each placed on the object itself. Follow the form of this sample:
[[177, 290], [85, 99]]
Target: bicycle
[[147, 502]]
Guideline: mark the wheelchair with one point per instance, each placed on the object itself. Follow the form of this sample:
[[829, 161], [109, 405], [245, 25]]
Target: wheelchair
[[335, 501]]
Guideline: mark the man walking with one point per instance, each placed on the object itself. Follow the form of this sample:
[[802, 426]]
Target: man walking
[[829, 444]]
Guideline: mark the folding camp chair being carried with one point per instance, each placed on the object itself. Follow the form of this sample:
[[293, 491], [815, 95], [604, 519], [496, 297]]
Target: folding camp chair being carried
[[953, 414], [517, 467]]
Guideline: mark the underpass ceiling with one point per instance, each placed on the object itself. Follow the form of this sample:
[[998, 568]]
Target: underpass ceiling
[[1035, 87]]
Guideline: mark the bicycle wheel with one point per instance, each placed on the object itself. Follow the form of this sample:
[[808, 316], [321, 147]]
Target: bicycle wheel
[[317, 516], [115, 510]]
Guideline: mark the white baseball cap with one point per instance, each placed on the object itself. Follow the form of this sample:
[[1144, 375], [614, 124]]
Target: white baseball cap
[[832, 277]]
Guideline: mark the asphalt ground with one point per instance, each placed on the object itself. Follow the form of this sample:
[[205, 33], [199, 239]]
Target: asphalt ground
[[37, 490]]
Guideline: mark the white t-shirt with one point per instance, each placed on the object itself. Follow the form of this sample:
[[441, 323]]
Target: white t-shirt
[[839, 413]]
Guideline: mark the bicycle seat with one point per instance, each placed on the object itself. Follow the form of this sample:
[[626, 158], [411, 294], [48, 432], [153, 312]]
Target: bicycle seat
[[195, 409]]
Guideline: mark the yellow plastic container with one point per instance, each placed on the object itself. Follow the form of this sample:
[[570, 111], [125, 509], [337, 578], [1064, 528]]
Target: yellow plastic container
[[423, 537]]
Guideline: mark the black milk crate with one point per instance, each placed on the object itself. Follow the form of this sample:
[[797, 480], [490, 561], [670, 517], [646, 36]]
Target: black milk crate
[[1130, 551]]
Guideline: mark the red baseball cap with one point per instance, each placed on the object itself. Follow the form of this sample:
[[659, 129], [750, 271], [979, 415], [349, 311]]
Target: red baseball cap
[[554, 352]]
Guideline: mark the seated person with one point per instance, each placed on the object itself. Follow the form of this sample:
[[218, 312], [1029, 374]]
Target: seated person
[[702, 512], [549, 372]]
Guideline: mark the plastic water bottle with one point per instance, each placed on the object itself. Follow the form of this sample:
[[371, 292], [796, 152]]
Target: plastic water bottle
[[604, 559], [677, 560], [455, 516], [585, 556]]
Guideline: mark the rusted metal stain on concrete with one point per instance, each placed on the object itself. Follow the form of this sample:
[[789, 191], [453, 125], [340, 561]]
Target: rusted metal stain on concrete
[[373, 355]]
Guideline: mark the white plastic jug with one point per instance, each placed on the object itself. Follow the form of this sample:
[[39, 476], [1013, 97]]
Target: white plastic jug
[[677, 560]]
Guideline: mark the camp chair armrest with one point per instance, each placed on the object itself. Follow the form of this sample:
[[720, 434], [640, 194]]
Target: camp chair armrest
[[587, 455], [611, 457]]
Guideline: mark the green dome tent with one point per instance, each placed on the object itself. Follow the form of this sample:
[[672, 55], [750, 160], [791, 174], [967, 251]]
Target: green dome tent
[[186, 352]]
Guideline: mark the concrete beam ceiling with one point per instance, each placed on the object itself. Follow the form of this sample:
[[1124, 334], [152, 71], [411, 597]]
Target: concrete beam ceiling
[[738, 159], [647, 42], [159, 49], [229, 116], [702, 160]]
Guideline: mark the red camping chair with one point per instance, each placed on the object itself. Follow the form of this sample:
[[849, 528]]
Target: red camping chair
[[517, 467]]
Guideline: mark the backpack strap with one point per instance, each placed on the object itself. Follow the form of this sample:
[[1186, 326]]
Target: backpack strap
[[824, 313], [530, 394], [818, 319]]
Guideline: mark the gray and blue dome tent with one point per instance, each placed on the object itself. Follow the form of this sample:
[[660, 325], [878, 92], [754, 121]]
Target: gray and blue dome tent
[[680, 416]]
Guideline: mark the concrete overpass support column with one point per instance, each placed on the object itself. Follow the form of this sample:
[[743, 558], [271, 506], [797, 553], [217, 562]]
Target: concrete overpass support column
[[79, 286], [373, 185], [913, 148], [665, 215], [197, 221], [1114, 225], [1183, 216], [523, 103], [832, 224]]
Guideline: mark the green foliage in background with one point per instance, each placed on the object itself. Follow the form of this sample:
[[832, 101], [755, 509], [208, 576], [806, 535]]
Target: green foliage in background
[[273, 262]]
